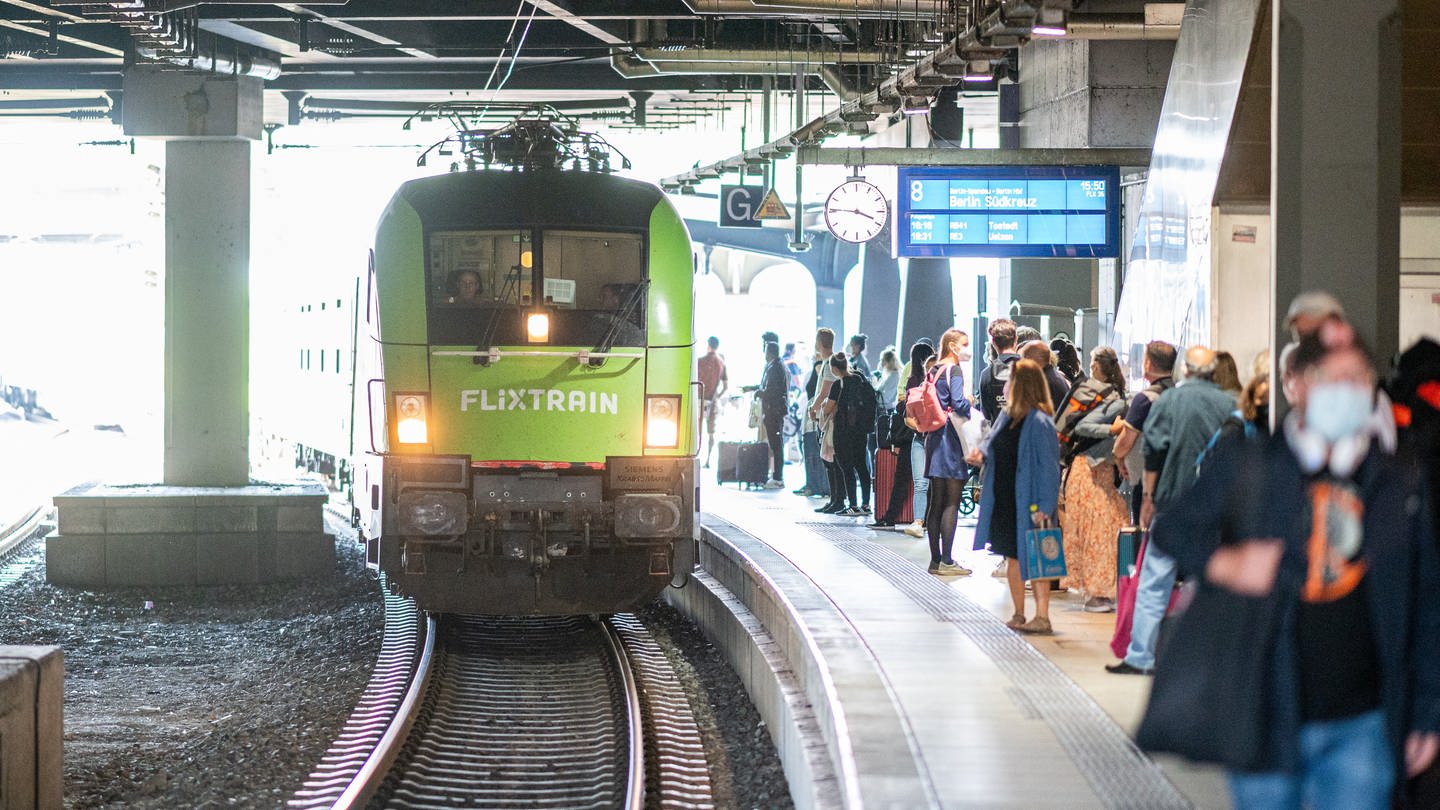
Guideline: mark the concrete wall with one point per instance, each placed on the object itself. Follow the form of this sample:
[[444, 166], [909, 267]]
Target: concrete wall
[[1092, 93], [1240, 312]]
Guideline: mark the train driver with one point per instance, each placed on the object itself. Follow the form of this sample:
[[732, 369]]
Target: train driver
[[467, 289]]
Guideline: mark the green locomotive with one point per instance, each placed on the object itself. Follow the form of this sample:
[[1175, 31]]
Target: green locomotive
[[525, 415]]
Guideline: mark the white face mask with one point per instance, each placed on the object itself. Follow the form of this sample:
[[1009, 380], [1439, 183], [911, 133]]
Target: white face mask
[[964, 354], [1337, 411]]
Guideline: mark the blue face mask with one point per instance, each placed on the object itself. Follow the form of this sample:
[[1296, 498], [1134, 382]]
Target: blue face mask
[[1337, 411]]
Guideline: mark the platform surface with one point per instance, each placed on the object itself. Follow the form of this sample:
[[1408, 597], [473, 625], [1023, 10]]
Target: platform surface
[[994, 719]]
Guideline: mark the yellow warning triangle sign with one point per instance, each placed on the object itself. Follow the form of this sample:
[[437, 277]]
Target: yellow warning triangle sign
[[771, 207]]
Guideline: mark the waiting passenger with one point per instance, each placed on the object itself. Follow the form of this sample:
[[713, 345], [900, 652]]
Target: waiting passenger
[[1016, 496], [1094, 508], [1039, 353], [922, 359], [945, 461], [996, 375], [1227, 373], [852, 410], [817, 391]]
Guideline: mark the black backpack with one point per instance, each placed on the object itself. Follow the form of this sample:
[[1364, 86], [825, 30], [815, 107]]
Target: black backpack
[[857, 406]]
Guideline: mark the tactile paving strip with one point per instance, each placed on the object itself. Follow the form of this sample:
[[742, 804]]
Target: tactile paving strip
[[1121, 776]]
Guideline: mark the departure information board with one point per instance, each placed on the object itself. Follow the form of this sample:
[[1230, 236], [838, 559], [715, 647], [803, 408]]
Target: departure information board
[[992, 211]]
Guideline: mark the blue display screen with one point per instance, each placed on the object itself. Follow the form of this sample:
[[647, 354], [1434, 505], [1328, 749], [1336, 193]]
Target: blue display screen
[[988, 211]]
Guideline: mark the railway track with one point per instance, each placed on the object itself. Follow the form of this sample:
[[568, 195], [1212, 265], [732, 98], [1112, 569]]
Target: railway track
[[511, 712], [18, 540]]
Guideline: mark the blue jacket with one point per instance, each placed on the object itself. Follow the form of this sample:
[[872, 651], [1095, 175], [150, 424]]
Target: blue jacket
[[1257, 489], [1037, 476]]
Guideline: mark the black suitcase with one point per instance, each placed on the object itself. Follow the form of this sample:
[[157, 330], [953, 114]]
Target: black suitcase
[[728, 466], [753, 467]]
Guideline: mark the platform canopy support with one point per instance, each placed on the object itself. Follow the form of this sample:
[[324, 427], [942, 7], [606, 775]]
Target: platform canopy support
[[209, 124], [1335, 162]]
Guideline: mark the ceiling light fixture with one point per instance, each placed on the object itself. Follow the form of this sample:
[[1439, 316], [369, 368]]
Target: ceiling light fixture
[[1049, 23], [916, 105], [979, 70]]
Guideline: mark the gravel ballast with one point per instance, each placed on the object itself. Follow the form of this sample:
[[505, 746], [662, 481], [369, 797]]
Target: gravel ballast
[[215, 697]]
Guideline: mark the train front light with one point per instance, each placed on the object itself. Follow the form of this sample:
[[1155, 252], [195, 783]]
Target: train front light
[[662, 421], [537, 327], [411, 412]]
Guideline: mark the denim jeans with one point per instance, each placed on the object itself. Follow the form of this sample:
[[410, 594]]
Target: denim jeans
[[1152, 598], [917, 471], [1344, 765], [817, 479]]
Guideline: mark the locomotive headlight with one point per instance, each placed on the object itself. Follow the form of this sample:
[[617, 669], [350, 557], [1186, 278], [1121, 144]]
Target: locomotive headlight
[[537, 327], [662, 421], [433, 512], [411, 411]]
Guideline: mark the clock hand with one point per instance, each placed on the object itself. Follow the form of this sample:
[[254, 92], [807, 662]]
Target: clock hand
[[861, 213]]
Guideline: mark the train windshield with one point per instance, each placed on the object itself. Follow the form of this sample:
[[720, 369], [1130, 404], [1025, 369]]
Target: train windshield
[[481, 282]]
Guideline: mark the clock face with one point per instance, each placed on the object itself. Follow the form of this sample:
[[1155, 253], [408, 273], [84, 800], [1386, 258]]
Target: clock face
[[856, 211]]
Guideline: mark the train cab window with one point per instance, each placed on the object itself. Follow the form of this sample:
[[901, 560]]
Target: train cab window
[[597, 282], [475, 281]]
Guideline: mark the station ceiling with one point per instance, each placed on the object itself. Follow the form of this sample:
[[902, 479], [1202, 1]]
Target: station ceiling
[[630, 61]]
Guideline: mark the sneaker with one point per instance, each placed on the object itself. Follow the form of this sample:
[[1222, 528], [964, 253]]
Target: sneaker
[[916, 529], [1126, 668], [1001, 570], [830, 508], [865, 510], [882, 524], [801, 491], [819, 495], [851, 512], [1099, 604], [951, 569], [773, 484]]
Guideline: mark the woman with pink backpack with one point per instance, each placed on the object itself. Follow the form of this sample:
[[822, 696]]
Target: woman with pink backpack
[[939, 407]]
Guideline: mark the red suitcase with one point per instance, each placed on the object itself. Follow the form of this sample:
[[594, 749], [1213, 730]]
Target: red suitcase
[[885, 462]]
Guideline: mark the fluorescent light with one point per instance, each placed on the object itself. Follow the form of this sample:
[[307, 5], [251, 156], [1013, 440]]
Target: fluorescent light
[[1048, 30], [978, 70], [916, 105]]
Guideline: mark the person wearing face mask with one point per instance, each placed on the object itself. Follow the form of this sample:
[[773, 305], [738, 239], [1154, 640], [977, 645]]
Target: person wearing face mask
[[1336, 531]]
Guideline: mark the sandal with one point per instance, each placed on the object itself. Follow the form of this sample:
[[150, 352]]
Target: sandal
[[1016, 622], [1038, 626]]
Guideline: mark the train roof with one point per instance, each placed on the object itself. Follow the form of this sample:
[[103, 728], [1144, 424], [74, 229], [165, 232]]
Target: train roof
[[536, 197]]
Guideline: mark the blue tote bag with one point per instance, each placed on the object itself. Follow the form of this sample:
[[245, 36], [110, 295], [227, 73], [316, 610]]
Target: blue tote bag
[[1043, 554]]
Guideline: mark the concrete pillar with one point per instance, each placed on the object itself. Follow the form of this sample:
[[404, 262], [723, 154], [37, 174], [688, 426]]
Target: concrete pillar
[[830, 311], [207, 312], [1335, 161], [879, 295], [929, 300], [209, 122]]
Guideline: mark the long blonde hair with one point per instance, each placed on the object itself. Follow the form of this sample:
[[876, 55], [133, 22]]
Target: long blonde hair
[[950, 345], [1028, 391]]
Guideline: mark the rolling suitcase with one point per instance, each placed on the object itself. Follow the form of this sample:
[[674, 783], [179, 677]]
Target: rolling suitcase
[[885, 464], [728, 466], [753, 467]]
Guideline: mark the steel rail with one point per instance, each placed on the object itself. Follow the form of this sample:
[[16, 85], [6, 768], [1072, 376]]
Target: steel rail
[[635, 780]]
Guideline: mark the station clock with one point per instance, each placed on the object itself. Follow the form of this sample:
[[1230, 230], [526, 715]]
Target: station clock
[[856, 211]]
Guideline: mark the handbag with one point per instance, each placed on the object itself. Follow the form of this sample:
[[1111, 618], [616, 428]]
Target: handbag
[[1125, 589], [1214, 663], [757, 412], [1043, 555]]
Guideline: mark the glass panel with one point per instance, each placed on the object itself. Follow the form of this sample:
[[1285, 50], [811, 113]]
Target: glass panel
[[476, 283], [600, 277]]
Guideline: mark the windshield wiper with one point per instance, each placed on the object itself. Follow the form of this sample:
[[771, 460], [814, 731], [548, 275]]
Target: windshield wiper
[[621, 317], [488, 336]]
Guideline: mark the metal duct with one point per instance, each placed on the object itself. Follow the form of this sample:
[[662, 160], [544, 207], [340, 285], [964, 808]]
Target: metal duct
[[632, 68], [224, 64], [886, 9], [1117, 26], [789, 59]]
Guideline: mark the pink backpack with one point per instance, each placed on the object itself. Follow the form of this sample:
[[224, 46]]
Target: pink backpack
[[922, 404]]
